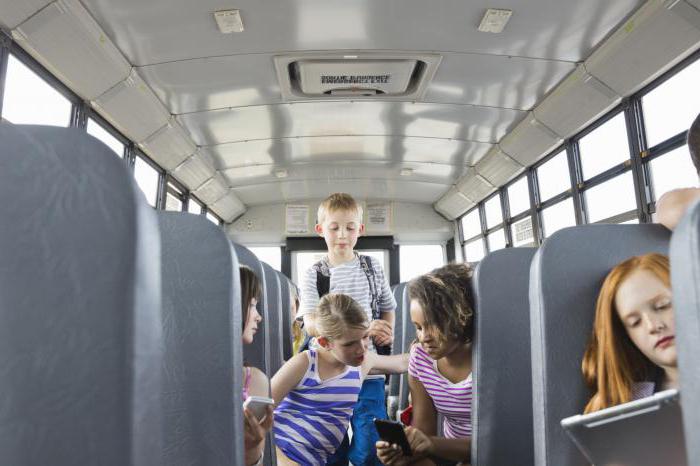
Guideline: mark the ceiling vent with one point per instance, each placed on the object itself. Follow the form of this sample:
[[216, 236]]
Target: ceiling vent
[[355, 75]]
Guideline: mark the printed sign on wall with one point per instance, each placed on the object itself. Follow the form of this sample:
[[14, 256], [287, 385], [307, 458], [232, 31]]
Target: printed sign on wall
[[378, 216], [297, 218]]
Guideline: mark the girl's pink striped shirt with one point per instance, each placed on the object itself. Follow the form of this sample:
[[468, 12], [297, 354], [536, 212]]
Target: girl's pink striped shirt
[[452, 400]]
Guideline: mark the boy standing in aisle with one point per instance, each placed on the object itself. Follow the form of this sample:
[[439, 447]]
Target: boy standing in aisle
[[361, 277]]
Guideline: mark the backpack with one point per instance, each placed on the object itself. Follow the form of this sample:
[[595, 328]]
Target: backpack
[[323, 285]]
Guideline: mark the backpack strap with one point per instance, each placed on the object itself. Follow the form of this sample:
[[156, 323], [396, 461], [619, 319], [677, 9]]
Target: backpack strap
[[323, 278], [366, 264]]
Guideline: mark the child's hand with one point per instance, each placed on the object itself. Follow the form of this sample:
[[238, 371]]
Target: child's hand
[[421, 444], [391, 455], [255, 430], [382, 332]]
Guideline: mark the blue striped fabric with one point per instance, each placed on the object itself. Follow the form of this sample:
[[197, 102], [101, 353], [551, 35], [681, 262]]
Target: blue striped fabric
[[312, 419]]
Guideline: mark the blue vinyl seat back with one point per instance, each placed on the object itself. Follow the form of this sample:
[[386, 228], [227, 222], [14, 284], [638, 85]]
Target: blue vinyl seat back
[[397, 347], [502, 402], [202, 325], [565, 279], [274, 317], [257, 353], [286, 308], [80, 301], [409, 335], [685, 278]]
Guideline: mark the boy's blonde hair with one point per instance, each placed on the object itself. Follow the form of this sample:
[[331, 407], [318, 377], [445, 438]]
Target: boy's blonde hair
[[336, 313], [338, 201]]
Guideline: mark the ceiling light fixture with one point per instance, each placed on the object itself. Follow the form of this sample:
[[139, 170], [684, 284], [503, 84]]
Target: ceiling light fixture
[[281, 173], [229, 21], [406, 171], [495, 20]]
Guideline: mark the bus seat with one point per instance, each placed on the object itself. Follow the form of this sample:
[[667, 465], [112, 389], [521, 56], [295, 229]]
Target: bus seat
[[258, 353], [203, 360], [685, 278], [395, 380], [286, 316], [274, 317], [409, 334], [502, 403], [565, 279], [80, 300]]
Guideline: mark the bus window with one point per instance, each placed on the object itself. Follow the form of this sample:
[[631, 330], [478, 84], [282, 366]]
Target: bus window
[[96, 130], [522, 233], [147, 178], [611, 198], [494, 215], [496, 240], [213, 218], [29, 99], [672, 170], [271, 255], [604, 147], [474, 250], [553, 177], [194, 207], [518, 197], [671, 108], [172, 202], [471, 225], [558, 216], [417, 259]]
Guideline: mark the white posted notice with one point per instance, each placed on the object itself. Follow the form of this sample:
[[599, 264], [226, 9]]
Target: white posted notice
[[297, 218], [378, 216]]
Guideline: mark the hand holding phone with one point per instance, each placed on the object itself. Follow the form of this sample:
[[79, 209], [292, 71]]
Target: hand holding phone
[[258, 406], [393, 432]]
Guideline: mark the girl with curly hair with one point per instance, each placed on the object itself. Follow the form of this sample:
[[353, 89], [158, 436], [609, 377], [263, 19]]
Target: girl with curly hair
[[440, 367]]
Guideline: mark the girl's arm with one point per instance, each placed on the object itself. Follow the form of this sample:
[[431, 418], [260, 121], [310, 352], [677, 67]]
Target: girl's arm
[[254, 430], [376, 364], [424, 413], [289, 376]]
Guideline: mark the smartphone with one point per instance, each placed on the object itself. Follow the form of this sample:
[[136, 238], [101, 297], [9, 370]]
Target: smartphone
[[392, 432], [258, 406]]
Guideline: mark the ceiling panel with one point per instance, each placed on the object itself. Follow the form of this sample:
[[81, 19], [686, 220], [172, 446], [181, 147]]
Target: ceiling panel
[[339, 170], [349, 148], [290, 191], [462, 122], [160, 31], [216, 82], [495, 81]]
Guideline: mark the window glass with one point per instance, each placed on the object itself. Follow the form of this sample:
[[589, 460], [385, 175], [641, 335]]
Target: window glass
[[611, 198], [494, 215], [172, 203], [96, 130], [518, 197], [271, 255], [147, 178], [303, 261], [553, 177], [471, 225], [213, 218], [604, 147], [634, 221], [194, 207], [29, 99], [418, 259], [497, 240], [522, 233], [558, 216], [673, 170], [671, 107], [474, 250]]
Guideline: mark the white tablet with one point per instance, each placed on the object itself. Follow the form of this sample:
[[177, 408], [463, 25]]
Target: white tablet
[[639, 433]]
